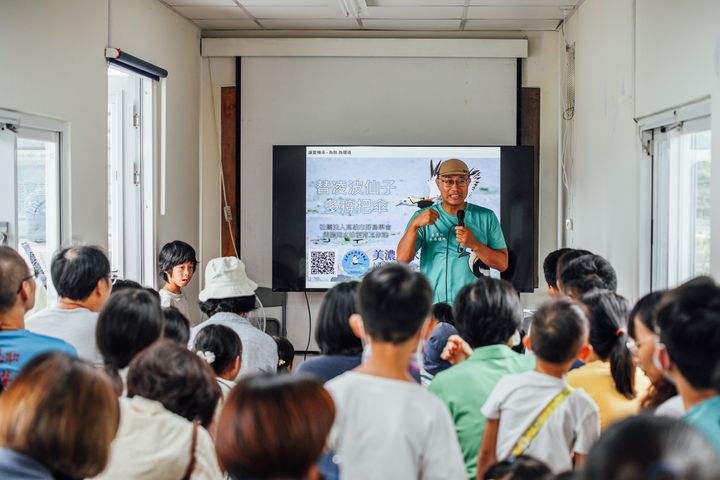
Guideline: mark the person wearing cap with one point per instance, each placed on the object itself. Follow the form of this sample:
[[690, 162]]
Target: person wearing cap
[[228, 296], [442, 243]]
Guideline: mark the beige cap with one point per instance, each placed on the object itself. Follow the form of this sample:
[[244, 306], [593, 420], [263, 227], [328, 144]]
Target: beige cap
[[453, 166], [225, 277]]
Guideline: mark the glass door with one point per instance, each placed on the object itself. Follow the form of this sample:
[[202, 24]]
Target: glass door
[[30, 206]]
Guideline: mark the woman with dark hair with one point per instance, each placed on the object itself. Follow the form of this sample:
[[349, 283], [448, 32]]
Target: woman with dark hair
[[129, 322], [222, 349], [286, 354], [58, 420], [172, 396], [609, 375], [227, 299], [662, 396], [341, 349], [274, 427]]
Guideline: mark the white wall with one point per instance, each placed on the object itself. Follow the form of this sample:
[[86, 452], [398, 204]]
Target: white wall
[[603, 201], [675, 43], [541, 70], [633, 59], [53, 54]]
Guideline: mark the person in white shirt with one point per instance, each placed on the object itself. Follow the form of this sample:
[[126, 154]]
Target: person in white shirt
[[222, 349], [176, 263], [537, 413], [172, 397], [388, 426], [228, 297], [81, 276]]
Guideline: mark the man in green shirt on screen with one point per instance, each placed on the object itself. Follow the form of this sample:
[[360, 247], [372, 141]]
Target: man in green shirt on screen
[[442, 235]]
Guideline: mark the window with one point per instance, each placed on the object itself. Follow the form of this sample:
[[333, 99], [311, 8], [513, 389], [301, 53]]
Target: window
[[30, 159], [681, 202], [131, 237]]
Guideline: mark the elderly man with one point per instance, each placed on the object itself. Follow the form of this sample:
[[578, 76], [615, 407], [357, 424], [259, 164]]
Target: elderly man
[[443, 239]]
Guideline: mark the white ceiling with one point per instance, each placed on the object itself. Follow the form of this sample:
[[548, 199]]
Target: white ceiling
[[394, 15]]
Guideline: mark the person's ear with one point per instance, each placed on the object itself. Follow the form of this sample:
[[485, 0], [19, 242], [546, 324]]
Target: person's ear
[[356, 325], [661, 359], [428, 328], [236, 366], [27, 294], [527, 342], [585, 352]]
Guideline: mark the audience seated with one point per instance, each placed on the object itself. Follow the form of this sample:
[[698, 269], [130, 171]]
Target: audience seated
[[441, 312], [222, 349], [177, 326], [609, 375], [433, 363], [274, 426], [646, 447], [689, 321], [172, 396], [57, 421], [387, 426], [550, 268], [537, 413], [17, 297], [129, 322], [228, 296], [176, 263], [585, 273], [81, 276], [522, 467], [286, 354], [341, 348], [565, 258], [661, 397], [487, 314]]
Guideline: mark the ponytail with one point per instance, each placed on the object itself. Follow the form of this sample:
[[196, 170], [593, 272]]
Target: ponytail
[[608, 312], [622, 366]]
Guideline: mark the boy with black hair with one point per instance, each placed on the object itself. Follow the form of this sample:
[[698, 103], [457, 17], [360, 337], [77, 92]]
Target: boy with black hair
[[176, 262], [585, 273], [81, 276], [488, 314], [550, 270], [566, 258], [537, 413], [17, 297], [386, 425], [689, 352]]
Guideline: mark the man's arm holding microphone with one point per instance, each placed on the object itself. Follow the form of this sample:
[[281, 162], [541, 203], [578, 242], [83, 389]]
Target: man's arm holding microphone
[[497, 259]]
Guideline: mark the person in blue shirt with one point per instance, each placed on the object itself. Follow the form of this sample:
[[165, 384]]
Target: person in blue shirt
[[17, 296], [435, 231], [689, 351]]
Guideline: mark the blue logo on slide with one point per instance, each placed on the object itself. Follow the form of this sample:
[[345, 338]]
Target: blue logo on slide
[[356, 263]]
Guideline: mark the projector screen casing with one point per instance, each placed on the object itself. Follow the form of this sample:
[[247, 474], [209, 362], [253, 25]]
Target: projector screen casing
[[517, 218]]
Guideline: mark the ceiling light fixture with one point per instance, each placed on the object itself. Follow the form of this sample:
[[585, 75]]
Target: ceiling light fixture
[[353, 8]]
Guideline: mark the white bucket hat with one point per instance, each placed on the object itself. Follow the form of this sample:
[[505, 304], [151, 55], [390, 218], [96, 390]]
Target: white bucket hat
[[225, 277]]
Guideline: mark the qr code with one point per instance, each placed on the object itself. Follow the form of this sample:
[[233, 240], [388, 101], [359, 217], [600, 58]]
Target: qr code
[[322, 263]]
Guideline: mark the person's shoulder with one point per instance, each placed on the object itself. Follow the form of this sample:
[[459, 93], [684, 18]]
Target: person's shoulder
[[478, 210], [54, 342], [582, 400]]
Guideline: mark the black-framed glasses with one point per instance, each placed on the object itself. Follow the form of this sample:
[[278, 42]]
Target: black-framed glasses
[[449, 182], [25, 279]]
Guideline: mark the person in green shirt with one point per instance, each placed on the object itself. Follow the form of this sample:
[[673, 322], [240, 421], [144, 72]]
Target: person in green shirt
[[435, 231], [488, 315], [689, 351]]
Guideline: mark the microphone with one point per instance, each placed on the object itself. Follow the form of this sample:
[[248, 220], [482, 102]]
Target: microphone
[[461, 223]]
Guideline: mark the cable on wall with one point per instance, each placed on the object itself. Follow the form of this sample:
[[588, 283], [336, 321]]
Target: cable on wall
[[227, 210]]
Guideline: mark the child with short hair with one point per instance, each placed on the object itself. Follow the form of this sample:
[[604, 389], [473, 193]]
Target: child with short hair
[[176, 263], [221, 348], [537, 413], [387, 426], [177, 326]]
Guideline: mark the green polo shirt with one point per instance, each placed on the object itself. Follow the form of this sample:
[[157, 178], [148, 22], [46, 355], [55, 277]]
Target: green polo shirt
[[446, 270], [705, 416], [465, 387]]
